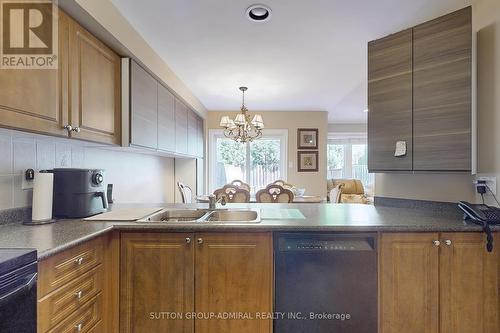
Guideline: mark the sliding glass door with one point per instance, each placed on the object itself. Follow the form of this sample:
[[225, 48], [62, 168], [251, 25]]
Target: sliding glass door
[[257, 163]]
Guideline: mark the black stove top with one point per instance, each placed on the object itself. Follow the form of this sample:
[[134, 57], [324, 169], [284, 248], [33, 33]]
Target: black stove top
[[11, 259]]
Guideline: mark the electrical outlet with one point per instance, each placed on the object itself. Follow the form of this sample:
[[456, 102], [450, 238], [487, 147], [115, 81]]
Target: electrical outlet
[[491, 182], [26, 184]]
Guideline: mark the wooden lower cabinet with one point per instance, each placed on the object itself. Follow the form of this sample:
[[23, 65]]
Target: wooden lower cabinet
[[77, 289], [171, 281], [409, 283], [468, 284], [156, 282], [431, 282], [234, 276]]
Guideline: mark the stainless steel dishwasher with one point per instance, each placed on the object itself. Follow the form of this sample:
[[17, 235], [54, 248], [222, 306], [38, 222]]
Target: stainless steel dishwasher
[[325, 283]]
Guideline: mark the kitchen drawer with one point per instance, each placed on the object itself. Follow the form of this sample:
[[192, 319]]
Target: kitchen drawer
[[83, 320], [97, 328], [67, 265], [61, 303]]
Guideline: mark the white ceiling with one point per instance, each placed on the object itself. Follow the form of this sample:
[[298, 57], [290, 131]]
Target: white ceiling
[[311, 54]]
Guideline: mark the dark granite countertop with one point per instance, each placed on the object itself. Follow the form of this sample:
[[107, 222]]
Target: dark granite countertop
[[52, 238]]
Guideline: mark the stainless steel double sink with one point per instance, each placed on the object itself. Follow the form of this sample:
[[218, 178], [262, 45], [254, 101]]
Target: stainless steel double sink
[[204, 216]]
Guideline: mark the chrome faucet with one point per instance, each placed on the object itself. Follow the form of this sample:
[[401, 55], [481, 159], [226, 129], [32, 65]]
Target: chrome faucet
[[212, 201]]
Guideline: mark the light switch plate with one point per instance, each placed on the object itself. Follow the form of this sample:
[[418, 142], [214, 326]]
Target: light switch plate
[[491, 182]]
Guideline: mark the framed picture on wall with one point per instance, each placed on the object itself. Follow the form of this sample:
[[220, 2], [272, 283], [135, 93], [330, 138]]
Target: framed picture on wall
[[307, 138], [307, 161]]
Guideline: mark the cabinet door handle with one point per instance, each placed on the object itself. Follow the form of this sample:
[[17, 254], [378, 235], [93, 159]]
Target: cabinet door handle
[[436, 243], [79, 327], [188, 240], [68, 128], [448, 242], [200, 241], [79, 294], [79, 261]]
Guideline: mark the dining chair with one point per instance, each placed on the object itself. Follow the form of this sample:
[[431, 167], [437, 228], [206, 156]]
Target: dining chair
[[334, 195], [186, 193], [274, 193], [240, 184], [283, 184], [232, 194]]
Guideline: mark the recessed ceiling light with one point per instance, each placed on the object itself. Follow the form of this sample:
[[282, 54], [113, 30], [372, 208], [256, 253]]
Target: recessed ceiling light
[[365, 110], [258, 13]]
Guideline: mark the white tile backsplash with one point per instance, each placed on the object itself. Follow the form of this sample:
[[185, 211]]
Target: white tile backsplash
[[5, 154], [136, 177], [21, 198], [77, 156], [63, 155], [45, 154], [24, 154], [6, 192]]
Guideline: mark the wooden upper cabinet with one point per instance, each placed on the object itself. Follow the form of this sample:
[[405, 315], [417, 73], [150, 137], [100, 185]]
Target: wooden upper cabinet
[[469, 284], [166, 119], [442, 103], [181, 127], [143, 107], [192, 133], [95, 88], [36, 99], [156, 277], [390, 101], [83, 92], [234, 273], [409, 283]]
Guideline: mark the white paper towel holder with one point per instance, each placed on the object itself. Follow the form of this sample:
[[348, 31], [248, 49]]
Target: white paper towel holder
[[43, 221]]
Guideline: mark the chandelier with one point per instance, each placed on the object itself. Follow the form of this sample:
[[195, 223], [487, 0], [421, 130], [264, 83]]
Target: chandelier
[[241, 129]]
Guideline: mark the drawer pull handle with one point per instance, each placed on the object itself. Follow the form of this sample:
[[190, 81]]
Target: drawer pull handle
[[188, 240], [436, 243], [79, 294], [79, 327], [79, 261], [448, 242], [200, 241]]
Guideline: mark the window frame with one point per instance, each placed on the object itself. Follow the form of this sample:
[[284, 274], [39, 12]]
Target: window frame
[[214, 134], [348, 140]]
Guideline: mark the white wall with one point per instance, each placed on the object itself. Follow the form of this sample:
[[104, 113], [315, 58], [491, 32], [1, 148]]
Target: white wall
[[347, 128]]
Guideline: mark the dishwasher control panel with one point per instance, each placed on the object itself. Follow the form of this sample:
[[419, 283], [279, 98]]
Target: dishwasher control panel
[[323, 245]]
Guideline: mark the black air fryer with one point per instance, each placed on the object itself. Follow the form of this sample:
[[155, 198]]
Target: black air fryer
[[79, 193]]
